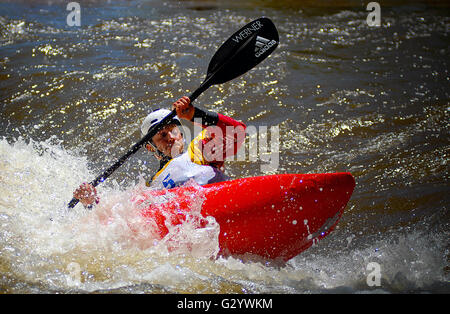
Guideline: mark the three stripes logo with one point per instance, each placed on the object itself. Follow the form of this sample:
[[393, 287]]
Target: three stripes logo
[[262, 45]]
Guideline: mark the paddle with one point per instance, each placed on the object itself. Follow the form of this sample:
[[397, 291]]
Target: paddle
[[241, 52]]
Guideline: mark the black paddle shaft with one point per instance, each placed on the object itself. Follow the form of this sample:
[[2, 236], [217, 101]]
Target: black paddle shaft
[[241, 52]]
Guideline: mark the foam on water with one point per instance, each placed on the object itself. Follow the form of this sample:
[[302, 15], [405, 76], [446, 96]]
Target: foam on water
[[41, 237], [45, 247]]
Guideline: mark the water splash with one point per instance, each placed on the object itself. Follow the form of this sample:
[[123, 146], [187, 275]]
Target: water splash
[[45, 247], [42, 240]]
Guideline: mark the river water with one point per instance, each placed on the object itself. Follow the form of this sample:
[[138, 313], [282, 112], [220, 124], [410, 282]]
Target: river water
[[344, 96]]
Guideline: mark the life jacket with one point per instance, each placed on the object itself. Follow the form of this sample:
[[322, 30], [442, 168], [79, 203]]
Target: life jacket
[[192, 164]]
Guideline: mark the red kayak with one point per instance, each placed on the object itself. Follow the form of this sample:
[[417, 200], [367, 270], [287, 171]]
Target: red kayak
[[275, 216]]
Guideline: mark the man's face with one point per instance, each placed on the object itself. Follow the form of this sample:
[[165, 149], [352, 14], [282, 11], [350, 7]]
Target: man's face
[[169, 140]]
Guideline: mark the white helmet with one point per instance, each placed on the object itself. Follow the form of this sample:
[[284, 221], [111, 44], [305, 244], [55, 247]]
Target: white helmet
[[155, 117]]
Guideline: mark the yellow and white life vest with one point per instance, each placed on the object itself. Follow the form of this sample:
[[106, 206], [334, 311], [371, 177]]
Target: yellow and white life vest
[[189, 165]]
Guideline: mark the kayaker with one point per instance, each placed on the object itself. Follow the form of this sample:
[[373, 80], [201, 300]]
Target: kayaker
[[203, 160]]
